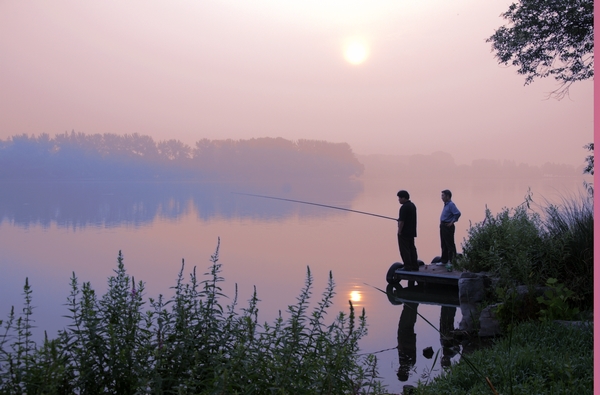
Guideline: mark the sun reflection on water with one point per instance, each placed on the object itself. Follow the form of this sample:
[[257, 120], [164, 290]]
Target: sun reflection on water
[[355, 296]]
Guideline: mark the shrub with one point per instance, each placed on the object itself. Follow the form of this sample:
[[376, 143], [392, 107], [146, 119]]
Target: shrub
[[189, 344], [508, 246], [555, 302], [521, 247], [515, 307]]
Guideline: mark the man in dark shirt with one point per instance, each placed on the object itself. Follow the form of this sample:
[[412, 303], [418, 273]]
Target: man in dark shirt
[[407, 231]]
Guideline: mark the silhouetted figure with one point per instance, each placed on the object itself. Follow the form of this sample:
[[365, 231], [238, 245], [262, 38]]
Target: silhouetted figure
[[450, 214], [446, 339], [407, 231], [407, 340]]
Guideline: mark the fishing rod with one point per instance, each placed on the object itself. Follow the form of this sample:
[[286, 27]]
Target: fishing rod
[[314, 204]]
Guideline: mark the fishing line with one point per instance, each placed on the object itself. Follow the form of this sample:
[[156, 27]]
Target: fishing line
[[315, 204]]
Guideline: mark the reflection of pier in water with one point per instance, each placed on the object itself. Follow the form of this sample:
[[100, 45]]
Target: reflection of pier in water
[[438, 294], [410, 296]]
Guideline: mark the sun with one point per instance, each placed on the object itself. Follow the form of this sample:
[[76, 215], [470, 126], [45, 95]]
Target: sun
[[356, 51], [355, 296]]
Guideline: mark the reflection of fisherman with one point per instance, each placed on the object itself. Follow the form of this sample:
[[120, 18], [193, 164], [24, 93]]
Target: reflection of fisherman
[[446, 327], [407, 340]]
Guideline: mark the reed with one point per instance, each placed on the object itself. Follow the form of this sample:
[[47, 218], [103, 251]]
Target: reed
[[192, 343], [569, 241], [532, 243]]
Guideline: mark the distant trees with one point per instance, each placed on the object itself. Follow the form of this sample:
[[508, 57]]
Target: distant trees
[[138, 157], [441, 165], [111, 156], [276, 157], [589, 168], [548, 38]]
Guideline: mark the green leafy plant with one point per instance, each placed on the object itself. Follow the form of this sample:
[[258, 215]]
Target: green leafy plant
[[556, 302], [507, 245], [514, 308], [192, 343], [531, 243]]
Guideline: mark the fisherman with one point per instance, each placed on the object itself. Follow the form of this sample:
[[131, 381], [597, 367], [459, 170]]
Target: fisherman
[[407, 231], [450, 214]]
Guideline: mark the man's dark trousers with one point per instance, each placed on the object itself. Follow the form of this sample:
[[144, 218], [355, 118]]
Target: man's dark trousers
[[408, 252], [447, 238]]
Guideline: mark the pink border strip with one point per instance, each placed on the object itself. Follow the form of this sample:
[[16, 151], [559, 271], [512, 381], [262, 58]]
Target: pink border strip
[[596, 225]]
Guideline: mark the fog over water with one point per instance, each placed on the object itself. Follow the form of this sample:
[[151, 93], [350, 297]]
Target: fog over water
[[48, 229], [126, 126]]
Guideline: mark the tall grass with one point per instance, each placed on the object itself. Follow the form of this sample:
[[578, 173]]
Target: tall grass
[[538, 358], [551, 246], [569, 240], [192, 343], [523, 246]]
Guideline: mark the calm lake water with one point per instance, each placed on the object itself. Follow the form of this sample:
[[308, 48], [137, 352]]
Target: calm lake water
[[49, 230]]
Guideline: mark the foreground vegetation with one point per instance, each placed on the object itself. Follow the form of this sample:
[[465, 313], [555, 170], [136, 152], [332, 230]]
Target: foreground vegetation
[[189, 344], [533, 358], [534, 243], [550, 254], [194, 344]]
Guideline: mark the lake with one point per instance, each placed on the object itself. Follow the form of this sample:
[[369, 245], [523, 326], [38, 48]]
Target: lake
[[50, 229]]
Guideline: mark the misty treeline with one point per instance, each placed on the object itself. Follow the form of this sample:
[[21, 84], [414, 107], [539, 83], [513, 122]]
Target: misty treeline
[[442, 165], [134, 156]]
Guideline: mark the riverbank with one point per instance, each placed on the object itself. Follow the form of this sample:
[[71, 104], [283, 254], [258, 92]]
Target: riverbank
[[532, 358]]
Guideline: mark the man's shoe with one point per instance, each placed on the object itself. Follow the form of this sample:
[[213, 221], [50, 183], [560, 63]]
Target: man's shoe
[[437, 259]]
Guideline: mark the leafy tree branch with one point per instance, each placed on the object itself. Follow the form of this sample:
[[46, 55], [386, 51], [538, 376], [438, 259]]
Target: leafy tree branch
[[548, 38]]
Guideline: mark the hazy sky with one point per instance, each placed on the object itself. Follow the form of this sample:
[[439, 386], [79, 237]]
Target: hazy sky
[[241, 69]]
